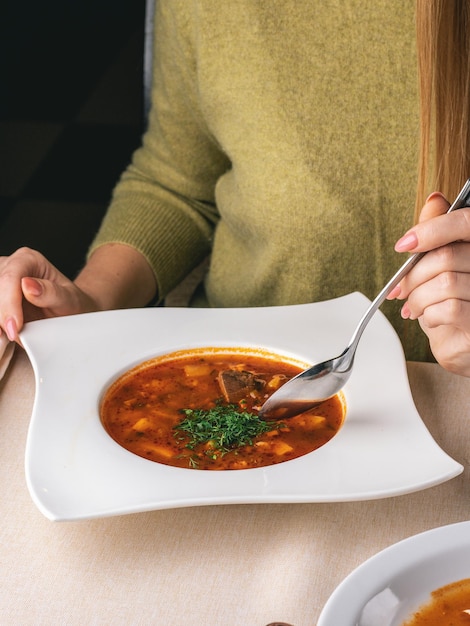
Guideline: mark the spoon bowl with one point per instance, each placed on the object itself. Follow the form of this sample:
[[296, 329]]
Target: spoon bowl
[[324, 380], [309, 388]]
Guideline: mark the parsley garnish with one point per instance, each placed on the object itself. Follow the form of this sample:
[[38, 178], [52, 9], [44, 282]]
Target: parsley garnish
[[223, 426]]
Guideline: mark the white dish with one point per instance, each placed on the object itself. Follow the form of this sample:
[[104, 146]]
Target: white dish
[[389, 587], [74, 470]]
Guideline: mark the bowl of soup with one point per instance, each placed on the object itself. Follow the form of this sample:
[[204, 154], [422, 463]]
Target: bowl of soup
[[423, 580], [198, 409]]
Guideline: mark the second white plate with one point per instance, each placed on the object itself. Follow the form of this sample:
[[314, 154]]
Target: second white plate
[[391, 586]]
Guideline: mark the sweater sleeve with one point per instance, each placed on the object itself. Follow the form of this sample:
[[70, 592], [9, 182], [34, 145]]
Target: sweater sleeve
[[164, 204]]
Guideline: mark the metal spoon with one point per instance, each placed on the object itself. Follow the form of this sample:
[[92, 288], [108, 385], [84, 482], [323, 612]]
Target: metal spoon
[[324, 380]]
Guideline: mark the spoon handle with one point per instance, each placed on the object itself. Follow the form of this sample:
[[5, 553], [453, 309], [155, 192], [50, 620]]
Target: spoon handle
[[462, 201]]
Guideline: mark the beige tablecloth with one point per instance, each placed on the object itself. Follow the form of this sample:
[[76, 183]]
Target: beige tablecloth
[[244, 565]]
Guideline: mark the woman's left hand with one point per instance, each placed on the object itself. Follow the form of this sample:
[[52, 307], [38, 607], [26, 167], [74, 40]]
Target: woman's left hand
[[437, 290]]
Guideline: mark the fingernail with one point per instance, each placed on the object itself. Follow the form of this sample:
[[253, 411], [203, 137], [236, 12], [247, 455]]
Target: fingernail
[[407, 242], [405, 311], [434, 195], [10, 328], [394, 293], [33, 286]]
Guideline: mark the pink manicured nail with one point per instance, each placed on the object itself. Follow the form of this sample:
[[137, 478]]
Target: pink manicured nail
[[405, 311], [394, 293], [33, 286], [434, 195], [407, 242], [10, 327]]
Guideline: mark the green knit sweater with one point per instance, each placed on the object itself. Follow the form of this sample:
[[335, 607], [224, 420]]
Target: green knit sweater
[[283, 141]]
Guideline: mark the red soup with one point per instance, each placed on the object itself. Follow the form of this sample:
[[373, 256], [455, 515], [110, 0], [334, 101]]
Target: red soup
[[198, 409], [449, 606]]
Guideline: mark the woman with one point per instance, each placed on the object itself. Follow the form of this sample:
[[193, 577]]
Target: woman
[[283, 142]]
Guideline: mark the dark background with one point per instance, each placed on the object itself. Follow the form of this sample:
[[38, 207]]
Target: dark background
[[71, 114]]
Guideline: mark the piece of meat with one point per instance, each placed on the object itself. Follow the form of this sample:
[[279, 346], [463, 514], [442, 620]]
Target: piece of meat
[[236, 385]]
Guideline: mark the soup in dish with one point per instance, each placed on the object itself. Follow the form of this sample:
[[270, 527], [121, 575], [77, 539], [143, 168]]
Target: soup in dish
[[198, 409], [449, 606]]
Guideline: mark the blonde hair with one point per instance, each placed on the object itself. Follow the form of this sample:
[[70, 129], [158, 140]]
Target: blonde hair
[[443, 45]]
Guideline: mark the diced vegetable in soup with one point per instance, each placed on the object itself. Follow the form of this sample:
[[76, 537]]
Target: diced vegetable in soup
[[199, 410]]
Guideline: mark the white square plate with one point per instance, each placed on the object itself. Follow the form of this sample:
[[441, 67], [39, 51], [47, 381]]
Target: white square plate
[[74, 470]]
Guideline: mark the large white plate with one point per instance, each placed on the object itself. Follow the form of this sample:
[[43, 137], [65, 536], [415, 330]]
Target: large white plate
[[75, 470], [389, 587]]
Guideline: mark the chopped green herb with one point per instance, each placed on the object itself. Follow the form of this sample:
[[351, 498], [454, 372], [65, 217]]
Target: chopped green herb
[[223, 426], [193, 462]]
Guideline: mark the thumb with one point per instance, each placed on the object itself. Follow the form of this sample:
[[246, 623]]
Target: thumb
[[52, 297], [436, 204], [33, 290], [56, 297]]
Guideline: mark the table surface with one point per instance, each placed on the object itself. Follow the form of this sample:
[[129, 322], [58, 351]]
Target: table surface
[[234, 565]]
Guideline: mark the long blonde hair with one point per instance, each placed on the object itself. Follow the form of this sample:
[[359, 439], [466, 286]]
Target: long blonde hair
[[443, 44]]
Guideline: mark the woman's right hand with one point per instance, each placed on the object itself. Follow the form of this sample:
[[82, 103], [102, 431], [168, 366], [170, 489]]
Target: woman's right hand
[[116, 276], [32, 288]]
